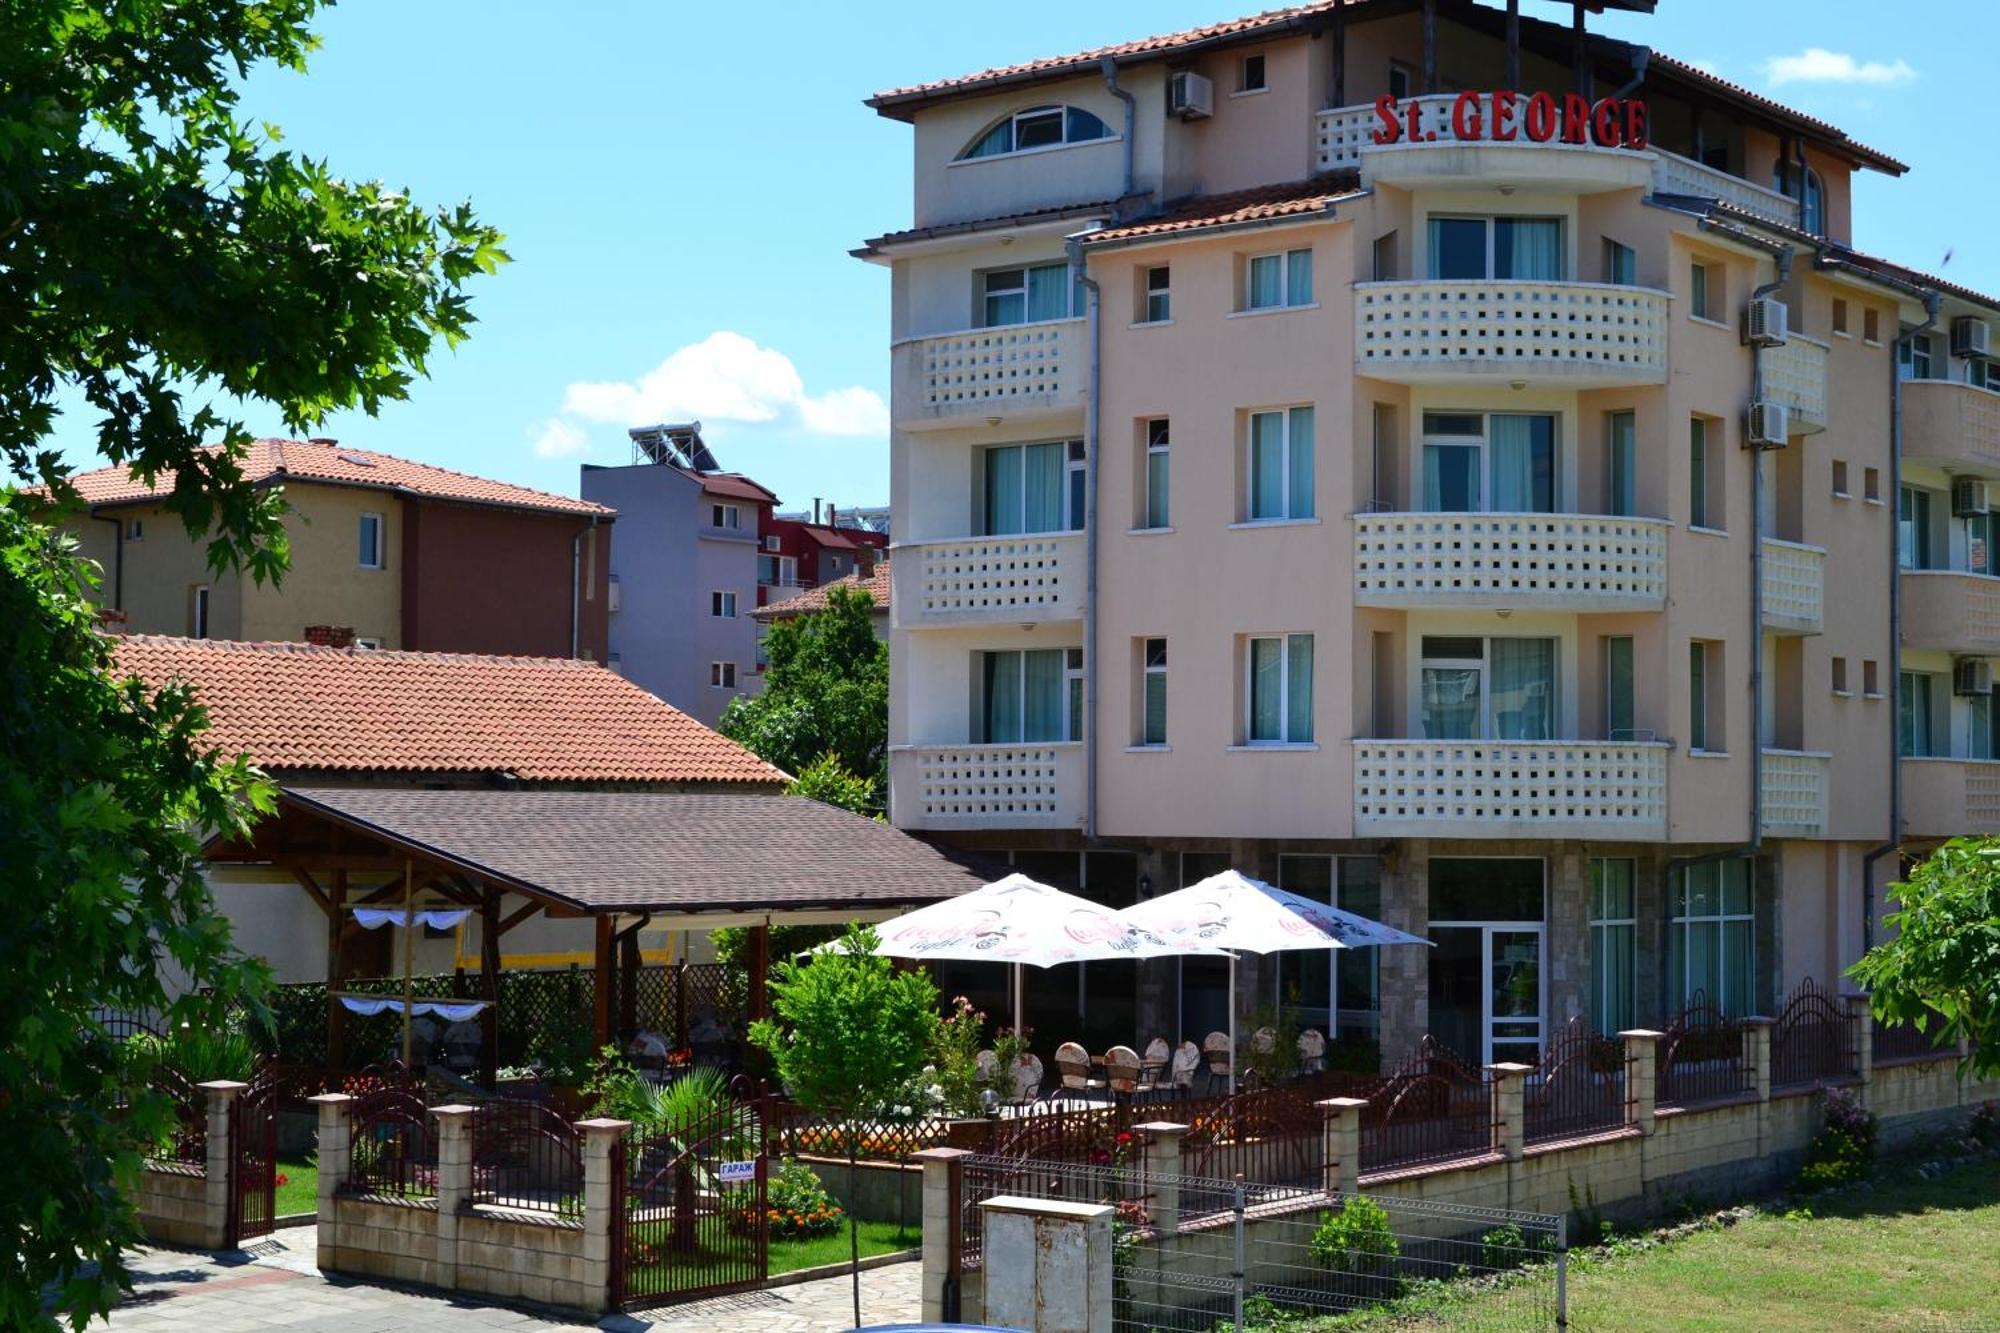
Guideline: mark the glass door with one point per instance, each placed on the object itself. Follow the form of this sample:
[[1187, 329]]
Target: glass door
[[1514, 1014], [1458, 1010]]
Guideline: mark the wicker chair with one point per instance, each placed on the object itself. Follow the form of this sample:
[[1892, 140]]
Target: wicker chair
[[1153, 1063], [1121, 1069], [1027, 1078], [1073, 1062], [1187, 1059], [1215, 1049], [1312, 1051]]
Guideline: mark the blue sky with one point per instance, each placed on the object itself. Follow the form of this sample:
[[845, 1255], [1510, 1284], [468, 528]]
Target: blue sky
[[680, 184]]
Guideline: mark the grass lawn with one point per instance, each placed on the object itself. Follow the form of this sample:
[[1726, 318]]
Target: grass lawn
[[1910, 1253], [876, 1238], [299, 1192]]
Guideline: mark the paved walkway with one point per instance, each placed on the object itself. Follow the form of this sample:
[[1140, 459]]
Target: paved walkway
[[274, 1284]]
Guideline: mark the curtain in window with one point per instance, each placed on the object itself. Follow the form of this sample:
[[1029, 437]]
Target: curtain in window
[[1613, 937], [1267, 281], [1299, 688], [1622, 446], [1156, 708], [1266, 689], [1042, 696], [1618, 688], [1524, 464], [1049, 292], [1003, 491], [1736, 988], [1457, 248], [1451, 703], [1979, 730], [1300, 447], [1156, 489], [1042, 485], [1299, 277], [1913, 714], [1529, 249], [1002, 681], [1524, 688], [1267, 465], [1451, 479]]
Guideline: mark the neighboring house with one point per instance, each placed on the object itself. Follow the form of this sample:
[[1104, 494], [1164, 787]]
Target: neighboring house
[[385, 551], [802, 554], [871, 518], [875, 583], [1467, 536]]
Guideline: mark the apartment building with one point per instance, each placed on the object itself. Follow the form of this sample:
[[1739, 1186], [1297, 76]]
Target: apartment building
[[385, 553], [1446, 463]]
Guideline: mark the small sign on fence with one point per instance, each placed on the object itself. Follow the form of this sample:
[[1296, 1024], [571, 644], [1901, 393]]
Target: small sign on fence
[[735, 1173]]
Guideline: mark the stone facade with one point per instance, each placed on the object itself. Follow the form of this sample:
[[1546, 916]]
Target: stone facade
[[173, 1206]]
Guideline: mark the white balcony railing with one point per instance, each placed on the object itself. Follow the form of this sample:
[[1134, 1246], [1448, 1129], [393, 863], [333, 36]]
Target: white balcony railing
[[1344, 131], [1505, 330], [1794, 586], [1502, 789], [1576, 562], [1952, 610], [1795, 375], [986, 786], [1674, 174], [973, 580], [1953, 424], [1950, 798], [1018, 372], [1794, 793]]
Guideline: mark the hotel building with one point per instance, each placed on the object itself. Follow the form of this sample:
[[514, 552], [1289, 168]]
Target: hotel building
[[1449, 463]]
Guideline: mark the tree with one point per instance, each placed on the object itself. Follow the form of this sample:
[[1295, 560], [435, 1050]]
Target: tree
[[154, 249], [824, 779], [849, 1036], [1941, 968], [826, 691]]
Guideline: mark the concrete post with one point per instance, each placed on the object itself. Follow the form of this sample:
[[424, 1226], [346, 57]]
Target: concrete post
[[1642, 1066], [1163, 1172], [601, 1199], [1861, 1041], [1757, 1056], [1510, 1126], [943, 1248], [454, 1186], [222, 1095], [336, 1160], [1048, 1265], [1340, 1142]]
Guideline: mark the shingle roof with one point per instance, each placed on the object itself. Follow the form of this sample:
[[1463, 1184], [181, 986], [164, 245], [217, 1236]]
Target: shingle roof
[[876, 585], [326, 461], [296, 707], [1265, 203], [636, 851]]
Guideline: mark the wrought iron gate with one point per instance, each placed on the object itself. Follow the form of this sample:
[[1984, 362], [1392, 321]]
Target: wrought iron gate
[[689, 1207], [253, 1159]]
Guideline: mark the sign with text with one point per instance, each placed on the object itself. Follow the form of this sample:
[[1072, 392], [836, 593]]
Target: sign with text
[[736, 1173], [1506, 117]]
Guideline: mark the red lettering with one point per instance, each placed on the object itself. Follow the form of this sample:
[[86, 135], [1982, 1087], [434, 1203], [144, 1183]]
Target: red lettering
[[1465, 118], [1608, 124], [1390, 129], [1636, 129], [1540, 121], [1415, 115], [1576, 119], [1504, 103]]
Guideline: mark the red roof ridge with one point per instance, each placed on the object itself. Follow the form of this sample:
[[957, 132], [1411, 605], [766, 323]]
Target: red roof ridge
[[355, 650]]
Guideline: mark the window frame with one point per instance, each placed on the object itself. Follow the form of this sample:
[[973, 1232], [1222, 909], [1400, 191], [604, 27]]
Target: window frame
[[1490, 229], [1288, 418], [725, 517], [1919, 551], [1063, 112], [1073, 461], [1158, 481], [1924, 718], [1698, 692], [1482, 446], [1604, 930], [722, 604], [1682, 922], [1702, 298], [1159, 295], [1621, 461], [1073, 308], [1152, 668], [1701, 479], [1069, 723], [1244, 86], [1483, 664], [1620, 257], [372, 554], [722, 675], [1288, 269], [1285, 739], [200, 612], [1612, 643]]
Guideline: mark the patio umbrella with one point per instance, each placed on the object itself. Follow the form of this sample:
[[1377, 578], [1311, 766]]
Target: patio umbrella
[[1022, 922], [1234, 912]]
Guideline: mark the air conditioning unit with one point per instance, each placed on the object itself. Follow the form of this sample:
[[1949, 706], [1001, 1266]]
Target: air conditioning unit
[[1972, 675], [1190, 96], [1969, 498], [1971, 336], [1770, 426], [1765, 322], [771, 543]]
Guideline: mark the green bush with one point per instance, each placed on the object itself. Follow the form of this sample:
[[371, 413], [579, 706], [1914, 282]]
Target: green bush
[[1357, 1239], [1502, 1247], [955, 1058], [797, 1204], [1841, 1152], [201, 1054]]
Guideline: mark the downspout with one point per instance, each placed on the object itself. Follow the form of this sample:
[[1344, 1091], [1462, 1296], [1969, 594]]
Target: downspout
[[1073, 248], [117, 558], [1110, 68], [1641, 57]]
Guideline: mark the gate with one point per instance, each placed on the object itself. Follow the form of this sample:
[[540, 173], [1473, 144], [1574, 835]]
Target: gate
[[253, 1158], [689, 1206]]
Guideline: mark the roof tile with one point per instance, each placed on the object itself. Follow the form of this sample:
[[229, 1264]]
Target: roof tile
[[1265, 203], [876, 585]]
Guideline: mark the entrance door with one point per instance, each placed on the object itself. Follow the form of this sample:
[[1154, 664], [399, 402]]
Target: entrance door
[[1458, 988], [1486, 991]]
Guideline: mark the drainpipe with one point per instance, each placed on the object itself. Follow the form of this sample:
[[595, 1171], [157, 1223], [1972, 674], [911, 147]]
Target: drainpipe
[[117, 558], [1641, 57], [1109, 67], [1073, 248]]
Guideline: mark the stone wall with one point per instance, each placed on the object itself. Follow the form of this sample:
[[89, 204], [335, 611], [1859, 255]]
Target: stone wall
[[876, 1192], [173, 1205]]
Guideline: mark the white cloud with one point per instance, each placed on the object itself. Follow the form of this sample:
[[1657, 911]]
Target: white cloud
[[725, 378], [1816, 64], [558, 438]]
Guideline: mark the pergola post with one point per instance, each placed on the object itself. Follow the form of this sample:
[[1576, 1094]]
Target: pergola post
[[600, 1024], [628, 984], [336, 1013], [1430, 47], [489, 988], [1514, 45], [760, 971]]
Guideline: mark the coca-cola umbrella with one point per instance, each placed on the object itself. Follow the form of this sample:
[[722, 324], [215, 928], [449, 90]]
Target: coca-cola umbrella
[[1233, 912], [1024, 923]]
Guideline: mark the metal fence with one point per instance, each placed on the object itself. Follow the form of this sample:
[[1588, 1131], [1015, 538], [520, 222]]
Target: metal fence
[[1893, 1043], [1432, 1108], [526, 1157], [1812, 1040], [1578, 1086], [1701, 1058], [187, 1142], [395, 1145]]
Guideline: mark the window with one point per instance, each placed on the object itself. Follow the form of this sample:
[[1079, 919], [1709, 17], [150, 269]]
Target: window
[[1618, 690], [1157, 305], [1281, 690], [1153, 691], [722, 604], [1871, 684], [726, 516], [1913, 356], [1281, 464], [1496, 247], [1037, 127], [360, 642], [1871, 325], [1698, 730], [1913, 529], [1711, 951], [1621, 264], [1614, 936], [1338, 991], [1518, 468], [198, 611], [1979, 719], [1620, 445], [1158, 475], [370, 534], [773, 543], [1274, 281], [1871, 484], [1812, 208], [135, 529], [1382, 265], [1471, 688], [1979, 552], [1023, 696], [1401, 80], [1029, 295], [722, 675], [1839, 670], [1034, 488], [1840, 478], [1704, 291], [1073, 692], [780, 571], [1840, 318], [1250, 75], [1914, 700], [1700, 514]]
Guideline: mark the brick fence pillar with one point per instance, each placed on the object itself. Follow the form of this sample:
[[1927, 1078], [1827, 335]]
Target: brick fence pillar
[[943, 1243], [221, 1094], [336, 1160], [1757, 1056], [1163, 1172], [1510, 1127], [601, 1198], [1861, 1041], [1642, 1072], [454, 1187], [1340, 1142]]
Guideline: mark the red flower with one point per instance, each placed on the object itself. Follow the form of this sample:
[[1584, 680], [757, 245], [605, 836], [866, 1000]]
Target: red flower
[[282, 1179]]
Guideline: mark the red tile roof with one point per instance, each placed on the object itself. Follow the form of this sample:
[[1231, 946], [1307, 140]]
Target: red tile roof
[[1716, 83], [732, 486], [876, 585], [1266, 203], [294, 707], [332, 463]]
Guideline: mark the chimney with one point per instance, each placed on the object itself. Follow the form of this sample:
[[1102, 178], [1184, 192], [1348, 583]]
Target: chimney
[[330, 636], [832, 517], [111, 620]]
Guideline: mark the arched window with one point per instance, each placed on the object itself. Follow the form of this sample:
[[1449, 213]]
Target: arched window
[[1037, 127]]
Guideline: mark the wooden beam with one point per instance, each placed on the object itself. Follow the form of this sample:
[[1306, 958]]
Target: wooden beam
[[1339, 91], [600, 1025], [1579, 51], [336, 1013], [628, 984], [489, 988], [760, 971], [1430, 47], [1514, 45], [515, 918], [313, 890]]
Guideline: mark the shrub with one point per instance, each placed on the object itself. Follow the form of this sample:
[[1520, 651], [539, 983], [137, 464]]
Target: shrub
[[201, 1054], [955, 1058], [1502, 1247], [1840, 1153], [1357, 1239], [1985, 1126], [796, 1205]]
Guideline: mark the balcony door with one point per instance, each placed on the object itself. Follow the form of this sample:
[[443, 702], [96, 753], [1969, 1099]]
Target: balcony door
[[1487, 964], [1030, 697], [1472, 248], [1499, 462], [1033, 488], [1472, 688]]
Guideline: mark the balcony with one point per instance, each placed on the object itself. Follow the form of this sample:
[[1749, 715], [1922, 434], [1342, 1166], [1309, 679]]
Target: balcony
[[1795, 375], [1952, 425], [986, 786], [1023, 372], [1674, 174], [1610, 790], [1439, 159], [1945, 798], [1794, 586], [1032, 579], [1951, 610], [1496, 331], [1556, 562], [1794, 793]]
